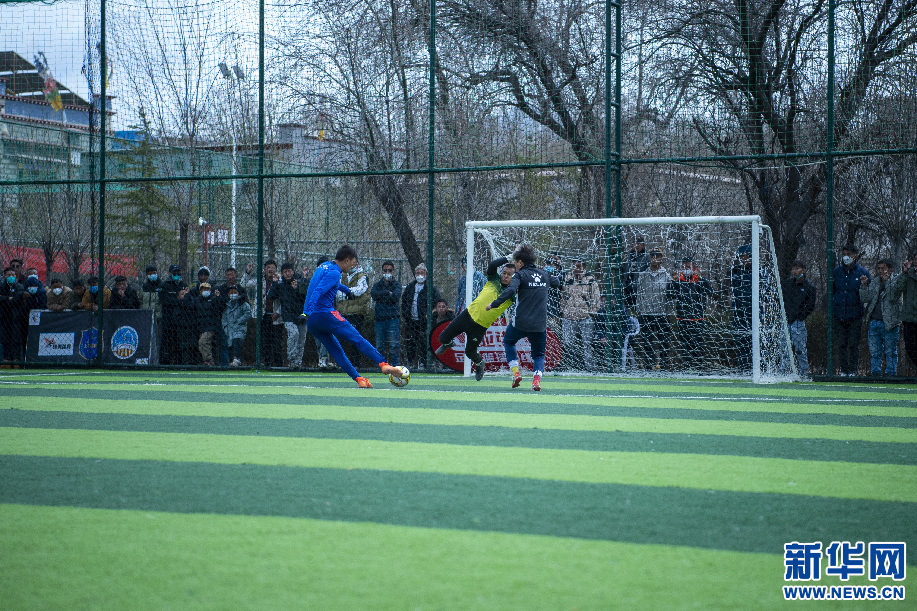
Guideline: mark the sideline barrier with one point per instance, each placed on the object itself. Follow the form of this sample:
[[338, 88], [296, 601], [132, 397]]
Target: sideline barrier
[[73, 337]]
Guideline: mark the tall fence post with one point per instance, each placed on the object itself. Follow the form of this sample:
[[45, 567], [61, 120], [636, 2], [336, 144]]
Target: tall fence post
[[103, 90], [829, 195]]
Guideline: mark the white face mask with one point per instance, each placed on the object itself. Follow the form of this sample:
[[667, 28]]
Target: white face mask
[[33, 289], [205, 294], [234, 296], [847, 259], [58, 291], [421, 279], [388, 276]]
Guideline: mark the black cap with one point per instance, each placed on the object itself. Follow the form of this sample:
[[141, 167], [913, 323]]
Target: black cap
[[687, 259], [656, 251], [174, 268], [150, 268]]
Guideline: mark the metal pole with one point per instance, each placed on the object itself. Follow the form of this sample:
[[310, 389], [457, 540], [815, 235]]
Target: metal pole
[[431, 141], [755, 301], [829, 193], [232, 128], [469, 282], [260, 255], [100, 297]]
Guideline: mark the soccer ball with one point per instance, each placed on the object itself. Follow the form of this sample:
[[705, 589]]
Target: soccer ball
[[403, 380]]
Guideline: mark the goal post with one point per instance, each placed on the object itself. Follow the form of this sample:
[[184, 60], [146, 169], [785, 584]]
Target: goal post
[[708, 302]]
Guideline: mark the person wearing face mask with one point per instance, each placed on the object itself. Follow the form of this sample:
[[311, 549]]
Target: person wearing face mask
[[231, 276], [33, 273], [149, 292], [883, 316], [91, 296], [848, 310], [171, 293], [16, 265], [58, 296], [36, 295], [11, 314], [149, 300], [386, 294], [235, 319], [208, 320], [799, 298], [414, 314]]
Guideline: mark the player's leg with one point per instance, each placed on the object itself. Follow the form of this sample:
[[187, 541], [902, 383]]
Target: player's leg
[[473, 338], [342, 329], [322, 325], [453, 330], [538, 341], [510, 338]]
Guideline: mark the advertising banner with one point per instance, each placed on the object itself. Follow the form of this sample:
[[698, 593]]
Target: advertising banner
[[491, 349], [73, 337]]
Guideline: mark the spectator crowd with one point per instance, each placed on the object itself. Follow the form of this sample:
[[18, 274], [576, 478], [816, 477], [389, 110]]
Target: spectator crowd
[[209, 322]]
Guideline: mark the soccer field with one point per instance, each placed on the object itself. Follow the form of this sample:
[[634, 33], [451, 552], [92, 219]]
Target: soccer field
[[244, 490]]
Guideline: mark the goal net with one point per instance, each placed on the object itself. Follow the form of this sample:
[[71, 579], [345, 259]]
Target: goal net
[[694, 296]]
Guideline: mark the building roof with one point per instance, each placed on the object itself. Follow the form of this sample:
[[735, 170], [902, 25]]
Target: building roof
[[22, 79]]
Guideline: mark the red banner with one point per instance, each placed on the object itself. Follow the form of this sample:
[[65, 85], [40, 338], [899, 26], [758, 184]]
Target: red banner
[[492, 351]]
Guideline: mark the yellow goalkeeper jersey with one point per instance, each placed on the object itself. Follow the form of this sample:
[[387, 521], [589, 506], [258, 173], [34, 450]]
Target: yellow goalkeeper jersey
[[478, 308]]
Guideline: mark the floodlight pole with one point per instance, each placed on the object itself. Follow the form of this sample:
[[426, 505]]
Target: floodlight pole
[[239, 75]]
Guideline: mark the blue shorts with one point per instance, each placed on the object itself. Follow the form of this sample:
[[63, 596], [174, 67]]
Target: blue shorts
[[329, 327]]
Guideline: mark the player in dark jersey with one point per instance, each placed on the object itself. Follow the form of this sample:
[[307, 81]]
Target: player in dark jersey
[[532, 285]]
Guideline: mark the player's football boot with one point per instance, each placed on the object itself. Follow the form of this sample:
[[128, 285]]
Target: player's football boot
[[479, 370], [442, 349], [363, 383], [536, 383], [517, 379], [390, 370]]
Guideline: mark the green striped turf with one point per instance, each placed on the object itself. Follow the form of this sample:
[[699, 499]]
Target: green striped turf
[[696, 518], [619, 441], [706, 422], [735, 473], [285, 563], [248, 490], [856, 415]]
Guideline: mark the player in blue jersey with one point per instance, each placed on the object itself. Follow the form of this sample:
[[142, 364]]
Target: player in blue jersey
[[328, 325]]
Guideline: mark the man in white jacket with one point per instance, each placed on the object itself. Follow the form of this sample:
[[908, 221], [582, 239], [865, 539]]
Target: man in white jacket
[[653, 311]]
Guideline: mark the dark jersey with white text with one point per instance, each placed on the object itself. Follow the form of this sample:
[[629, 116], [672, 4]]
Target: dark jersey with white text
[[533, 285]]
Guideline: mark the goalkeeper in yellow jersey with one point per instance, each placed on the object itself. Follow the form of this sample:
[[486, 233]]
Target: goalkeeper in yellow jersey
[[474, 320]]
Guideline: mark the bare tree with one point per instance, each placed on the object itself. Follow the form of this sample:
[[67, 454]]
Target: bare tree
[[758, 66], [166, 51], [547, 61]]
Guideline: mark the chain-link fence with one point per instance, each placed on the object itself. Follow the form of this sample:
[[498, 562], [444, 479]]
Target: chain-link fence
[[138, 135]]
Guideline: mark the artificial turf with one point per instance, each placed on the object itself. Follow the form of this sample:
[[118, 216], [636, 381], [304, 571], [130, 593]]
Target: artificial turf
[[247, 490]]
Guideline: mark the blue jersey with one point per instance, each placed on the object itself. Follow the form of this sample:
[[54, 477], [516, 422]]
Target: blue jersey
[[325, 283]]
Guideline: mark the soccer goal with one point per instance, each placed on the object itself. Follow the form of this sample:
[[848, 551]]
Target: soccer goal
[[668, 297]]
